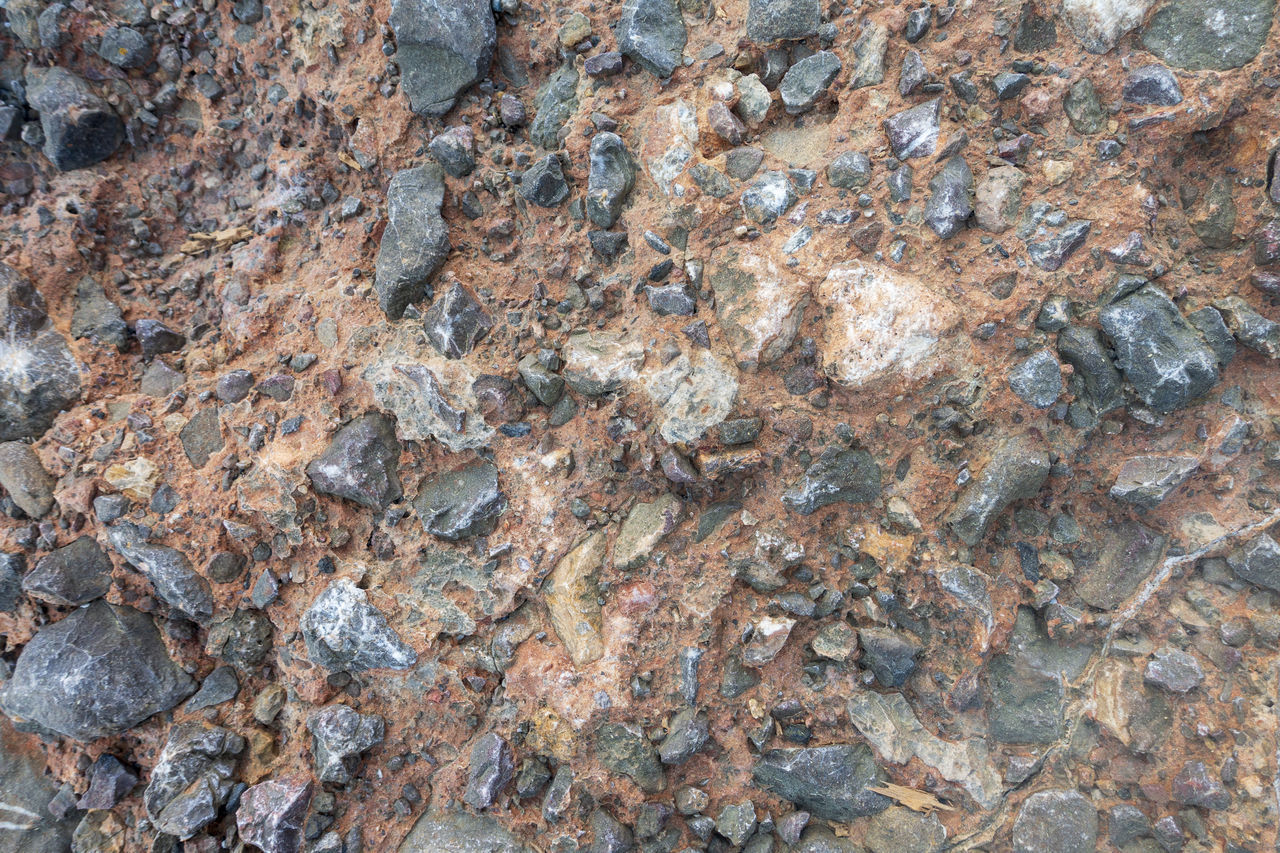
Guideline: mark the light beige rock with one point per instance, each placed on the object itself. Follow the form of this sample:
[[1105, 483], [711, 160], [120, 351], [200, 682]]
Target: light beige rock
[[998, 198], [136, 478], [572, 597], [1099, 24], [644, 529]]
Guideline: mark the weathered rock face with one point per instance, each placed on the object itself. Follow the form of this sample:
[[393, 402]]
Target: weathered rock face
[[652, 32], [192, 778], [572, 594], [611, 177], [1056, 822], [837, 475], [99, 672], [343, 631], [39, 376], [272, 813], [462, 832], [882, 324], [72, 575], [31, 828], [442, 47], [80, 128], [416, 240], [1208, 34], [759, 305], [462, 503]]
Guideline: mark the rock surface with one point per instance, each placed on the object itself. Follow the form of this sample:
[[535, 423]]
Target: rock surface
[[442, 47]]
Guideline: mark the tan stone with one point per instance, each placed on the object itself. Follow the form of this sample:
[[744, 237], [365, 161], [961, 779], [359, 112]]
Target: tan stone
[[572, 594]]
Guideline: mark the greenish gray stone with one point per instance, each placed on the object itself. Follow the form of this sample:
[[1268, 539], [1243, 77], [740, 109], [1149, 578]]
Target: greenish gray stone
[[1208, 35], [555, 102], [1145, 481], [623, 749], [462, 503], [1017, 470], [836, 475], [1258, 562], [202, 436], [900, 829], [442, 47], [1126, 555], [72, 575], [653, 34], [644, 529], [1037, 380], [831, 782], [1084, 108], [1056, 822], [415, 242]]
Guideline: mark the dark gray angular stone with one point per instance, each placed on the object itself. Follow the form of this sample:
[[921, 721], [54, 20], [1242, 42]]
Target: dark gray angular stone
[[610, 180], [1056, 822], [676, 299], [899, 183], [456, 322], [1037, 380], [415, 242], [869, 56], [849, 170], [769, 21], [652, 33], [1009, 84], [623, 749], [109, 782], [234, 386], [1152, 85], [80, 128], [1195, 786], [242, 639], [192, 778], [272, 815], [202, 437], [1208, 321], [1127, 555], [1050, 250], [454, 150], [345, 633], [836, 475], [1085, 351], [168, 569], [890, 655], [125, 47], [914, 132], [913, 73], [24, 479], [1173, 670], [688, 733], [950, 198], [1126, 823], [339, 736], [442, 48], [542, 380], [1084, 108], [1034, 32], [361, 464], [1208, 35], [1017, 470], [1145, 481], [1258, 562], [39, 376], [219, 686], [543, 183], [492, 769], [72, 575], [555, 102], [1160, 354], [918, 21], [462, 503], [12, 568], [97, 317], [710, 180], [1250, 328], [28, 790], [807, 80], [830, 782], [99, 672], [156, 338]]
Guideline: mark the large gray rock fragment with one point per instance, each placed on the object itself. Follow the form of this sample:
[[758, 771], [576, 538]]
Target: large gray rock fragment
[[610, 180], [492, 768], [361, 464], [169, 570], [1209, 35], [950, 198], [272, 814], [1084, 350], [442, 47], [22, 476], [72, 575], [461, 832], [416, 240], [1258, 562], [1126, 557], [39, 376], [96, 316], [1168, 364], [1056, 822], [556, 101], [1145, 481], [769, 21], [463, 503], [1017, 470], [653, 34], [836, 475], [339, 736], [914, 132], [99, 672], [831, 782], [344, 632], [80, 128], [192, 778], [28, 826]]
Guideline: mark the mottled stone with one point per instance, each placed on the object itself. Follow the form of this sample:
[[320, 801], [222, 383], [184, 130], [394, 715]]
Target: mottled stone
[[492, 769], [80, 128], [890, 655], [759, 304], [1258, 562], [914, 131], [176, 583], [652, 33], [192, 778], [830, 782], [1173, 670], [1017, 470], [1216, 35], [1037, 380], [339, 737], [1056, 822], [39, 376], [836, 475], [807, 80], [271, 814], [460, 832], [769, 21], [1194, 786], [456, 322], [24, 479], [462, 503], [361, 464], [610, 179], [572, 595], [1126, 557], [344, 632], [1145, 481]]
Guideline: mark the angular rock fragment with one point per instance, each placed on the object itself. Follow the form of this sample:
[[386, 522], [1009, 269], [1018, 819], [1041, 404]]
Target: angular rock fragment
[[1194, 786], [1037, 380], [556, 101], [759, 305], [544, 183], [1173, 670], [868, 57], [769, 21], [998, 199], [169, 570], [72, 575], [644, 529], [462, 832], [1145, 481], [572, 595], [1099, 24], [272, 814], [1212, 35], [830, 782], [686, 735], [914, 132], [1250, 328], [899, 828], [97, 317], [431, 399], [39, 376], [1258, 562], [462, 503], [807, 80], [1017, 470], [1085, 351], [202, 437], [192, 778], [1152, 85], [31, 827], [24, 479], [361, 464], [109, 783], [1056, 822], [610, 179], [768, 637], [456, 322], [623, 749], [1127, 556], [599, 363], [492, 768], [950, 198], [768, 197], [416, 240], [890, 655], [1049, 248], [339, 737], [344, 632], [653, 34], [1083, 107], [242, 639], [1159, 352], [80, 128], [836, 475], [442, 48], [98, 672], [155, 338]]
